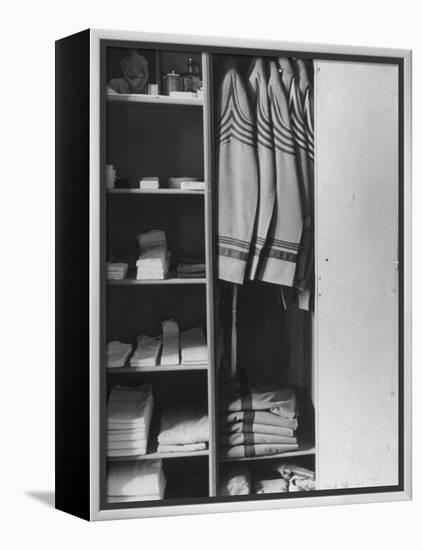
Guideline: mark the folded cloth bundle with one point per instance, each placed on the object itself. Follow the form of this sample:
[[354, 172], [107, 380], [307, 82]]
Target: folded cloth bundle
[[116, 271], [147, 351], [235, 479], [258, 420], [277, 485], [261, 396], [193, 347], [245, 451], [182, 427], [170, 354], [129, 412], [248, 427], [154, 259], [299, 478], [117, 354], [190, 269], [130, 481], [149, 183], [258, 417], [186, 448], [252, 438], [151, 239]]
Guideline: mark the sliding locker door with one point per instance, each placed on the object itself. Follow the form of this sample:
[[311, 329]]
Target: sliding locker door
[[357, 297]]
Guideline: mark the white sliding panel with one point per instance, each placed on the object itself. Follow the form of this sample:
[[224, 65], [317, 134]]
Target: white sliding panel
[[356, 122]]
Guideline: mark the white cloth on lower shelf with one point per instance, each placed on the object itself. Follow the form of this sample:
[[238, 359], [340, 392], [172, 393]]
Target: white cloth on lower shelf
[[193, 346], [136, 478], [184, 425]]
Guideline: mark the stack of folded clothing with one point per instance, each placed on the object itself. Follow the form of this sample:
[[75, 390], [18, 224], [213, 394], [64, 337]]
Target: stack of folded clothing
[[194, 347], [147, 351], [116, 271], [183, 429], [258, 420], [154, 259], [117, 354], [170, 354], [190, 269], [129, 412], [130, 481], [235, 479]]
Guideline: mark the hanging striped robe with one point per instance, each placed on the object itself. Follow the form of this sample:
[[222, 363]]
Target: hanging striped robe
[[281, 251], [304, 279], [258, 87], [237, 178], [292, 84]]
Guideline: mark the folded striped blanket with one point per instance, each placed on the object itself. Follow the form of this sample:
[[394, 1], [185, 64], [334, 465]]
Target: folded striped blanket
[[245, 451], [252, 427], [259, 417]]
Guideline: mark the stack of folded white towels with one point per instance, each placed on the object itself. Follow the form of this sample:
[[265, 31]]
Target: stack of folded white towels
[[116, 271], [129, 412], [154, 259], [183, 429], [117, 354], [194, 347], [135, 480]]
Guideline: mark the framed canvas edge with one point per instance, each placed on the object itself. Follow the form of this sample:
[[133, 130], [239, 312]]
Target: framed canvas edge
[[96, 35]]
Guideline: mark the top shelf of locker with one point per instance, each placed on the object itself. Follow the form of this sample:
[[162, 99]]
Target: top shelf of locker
[[154, 100]]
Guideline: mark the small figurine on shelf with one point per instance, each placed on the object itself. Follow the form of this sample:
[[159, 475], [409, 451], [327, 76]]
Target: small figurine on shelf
[[134, 68]]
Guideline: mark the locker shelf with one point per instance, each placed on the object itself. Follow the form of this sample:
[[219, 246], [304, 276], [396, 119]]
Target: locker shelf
[[161, 191], [156, 455], [155, 99], [169, 281], [166, 368]]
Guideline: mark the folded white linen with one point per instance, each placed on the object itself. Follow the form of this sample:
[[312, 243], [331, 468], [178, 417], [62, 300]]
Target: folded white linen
[[126, 435], [147, 351], [132, 406], [187, 448], [136, 451], [117, 353], [128, 444], [193, 346], [183, 425], [153, 257], [135, 478], [170, 354]]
